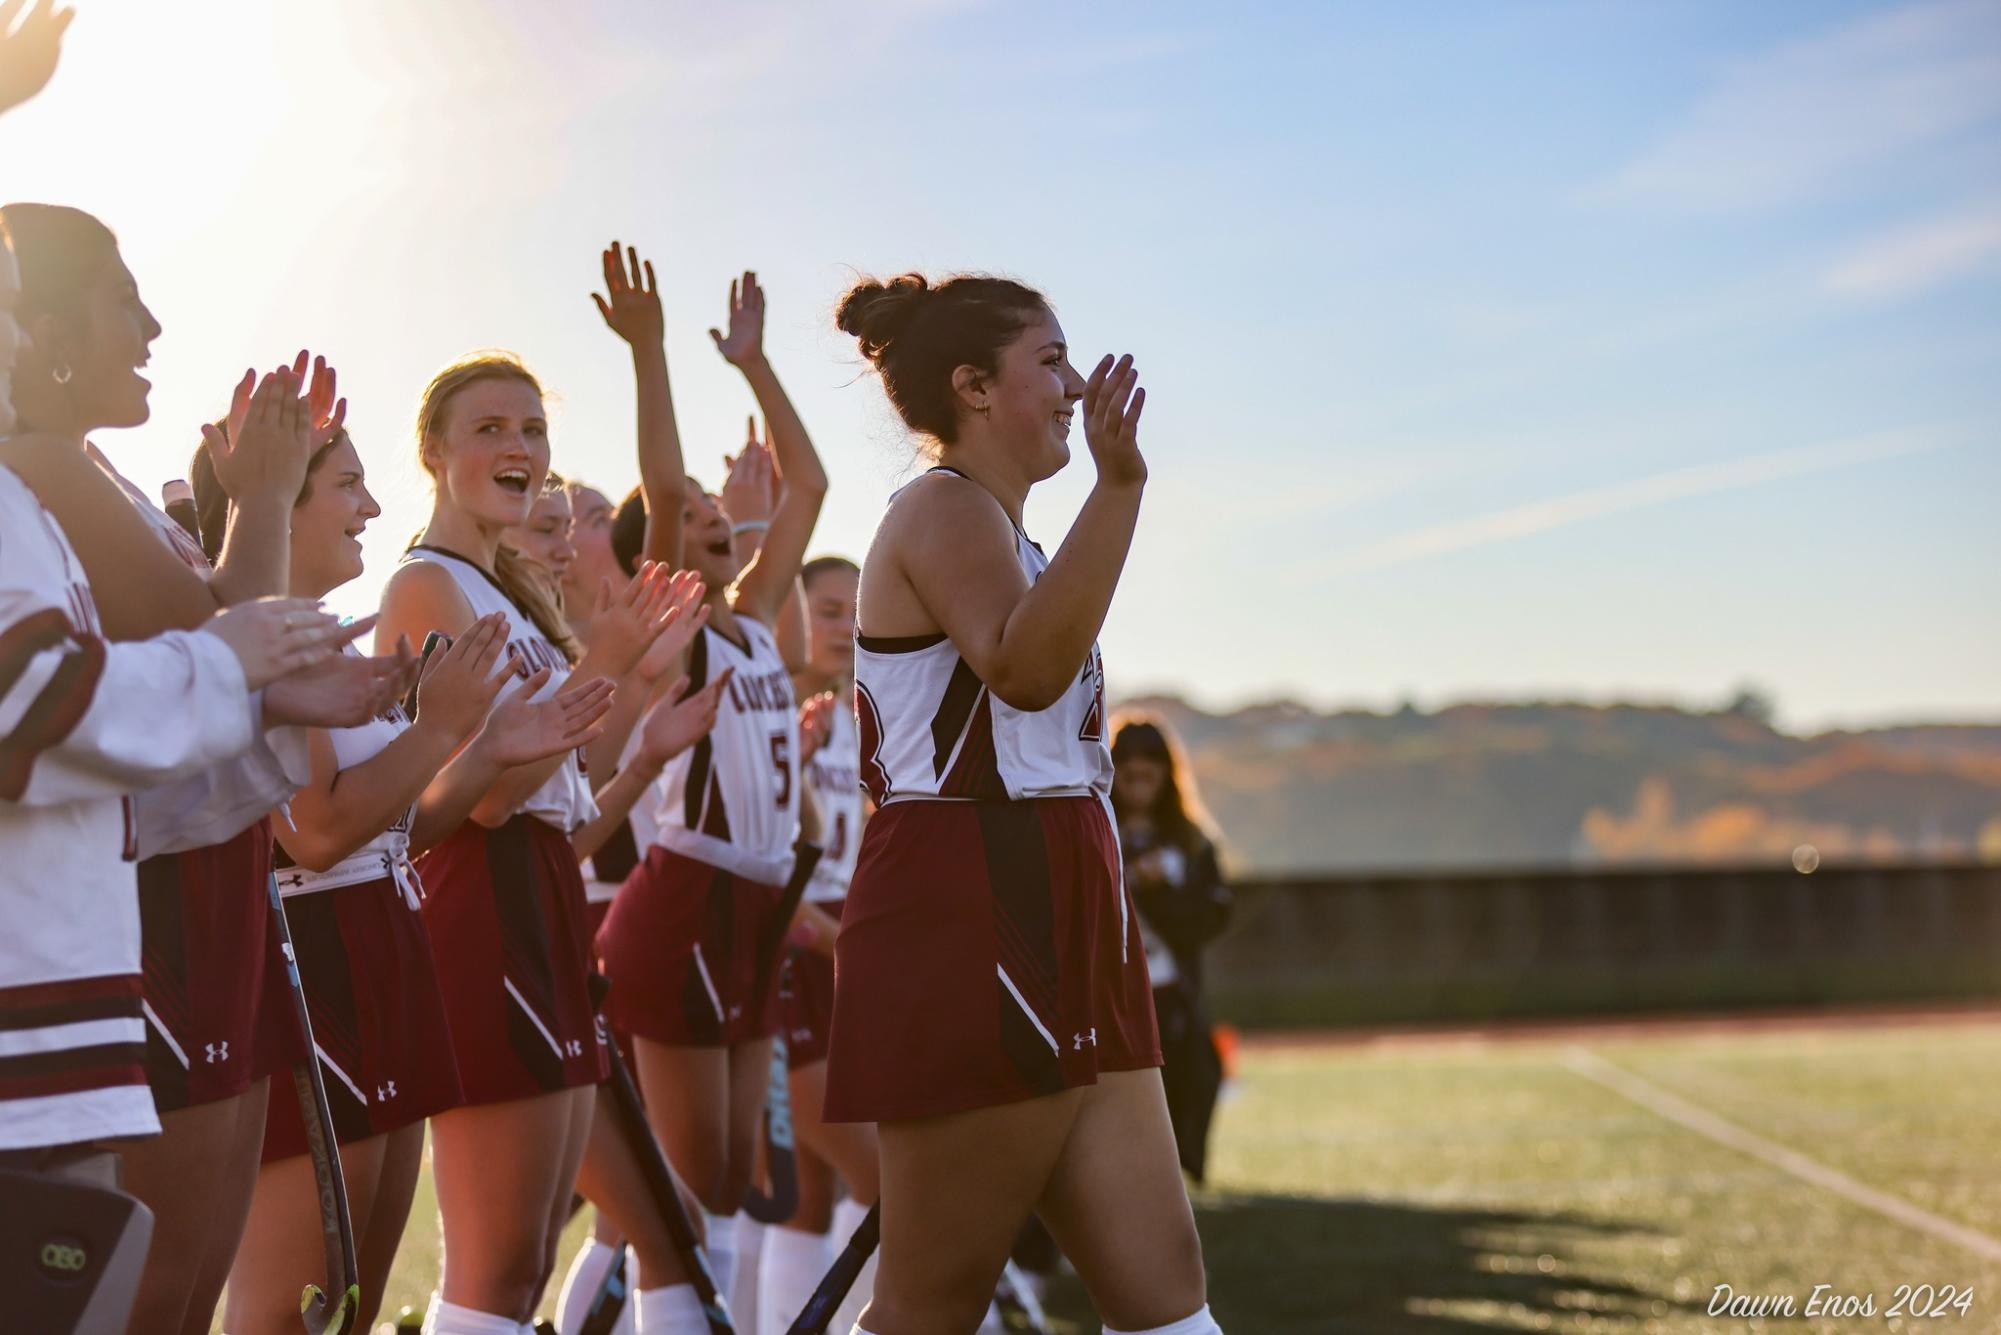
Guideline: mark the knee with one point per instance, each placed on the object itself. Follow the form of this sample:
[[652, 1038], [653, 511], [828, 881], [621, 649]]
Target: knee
[[510, 1278]]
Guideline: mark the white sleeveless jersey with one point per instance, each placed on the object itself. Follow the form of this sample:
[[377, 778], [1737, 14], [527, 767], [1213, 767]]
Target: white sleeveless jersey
[[732, 799], [565, 801], [388, 853], [834, 776], [930, 728]]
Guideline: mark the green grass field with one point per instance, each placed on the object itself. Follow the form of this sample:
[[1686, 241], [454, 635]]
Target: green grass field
[[1441, 1187]]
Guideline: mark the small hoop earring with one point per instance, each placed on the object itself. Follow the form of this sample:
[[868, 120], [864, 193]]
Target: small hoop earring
[[61, 375], [986, 409]]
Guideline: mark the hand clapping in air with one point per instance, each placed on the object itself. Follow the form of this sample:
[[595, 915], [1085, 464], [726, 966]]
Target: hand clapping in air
[[743, 344], [816, 724], [680, 720], [685, 591], [750, 487], [29, 50], [625, 624], [1112, 404]]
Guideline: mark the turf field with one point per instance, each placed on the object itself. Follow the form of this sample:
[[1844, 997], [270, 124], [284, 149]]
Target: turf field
[[1588, 1181]]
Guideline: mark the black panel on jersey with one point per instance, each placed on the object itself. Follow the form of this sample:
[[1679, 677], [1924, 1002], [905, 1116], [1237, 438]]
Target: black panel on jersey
[[898, 644], [697, 785], [955, 711]]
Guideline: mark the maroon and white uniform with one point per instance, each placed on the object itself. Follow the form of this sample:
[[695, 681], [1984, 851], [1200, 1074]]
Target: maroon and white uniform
[[987, 949], [506, 911], [371, 984], [683, 940], [82, 724], [218, 1017], [807, 986]]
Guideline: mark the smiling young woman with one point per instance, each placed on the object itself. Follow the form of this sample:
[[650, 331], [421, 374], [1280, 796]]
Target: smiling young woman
[[991, 1007]]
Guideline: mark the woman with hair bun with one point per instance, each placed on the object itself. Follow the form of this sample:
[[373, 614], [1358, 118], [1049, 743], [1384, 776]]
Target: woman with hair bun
[[992, 1012]]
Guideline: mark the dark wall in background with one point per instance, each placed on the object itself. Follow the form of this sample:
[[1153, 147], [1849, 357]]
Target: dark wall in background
[[1364, 949]]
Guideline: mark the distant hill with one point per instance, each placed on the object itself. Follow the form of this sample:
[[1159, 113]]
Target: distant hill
[[1295, 790]]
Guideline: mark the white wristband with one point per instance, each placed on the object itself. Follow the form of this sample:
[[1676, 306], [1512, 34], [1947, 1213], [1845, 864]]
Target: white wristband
[[749, 526]]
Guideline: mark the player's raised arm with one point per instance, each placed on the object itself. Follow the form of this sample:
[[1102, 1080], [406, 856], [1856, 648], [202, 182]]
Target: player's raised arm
[[802, 482], [631, 307]]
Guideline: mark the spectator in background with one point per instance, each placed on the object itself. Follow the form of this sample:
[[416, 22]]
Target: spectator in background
[[1177, 886]]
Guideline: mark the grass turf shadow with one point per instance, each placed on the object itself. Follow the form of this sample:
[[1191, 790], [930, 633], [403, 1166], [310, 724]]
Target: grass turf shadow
[[1286, 1265]]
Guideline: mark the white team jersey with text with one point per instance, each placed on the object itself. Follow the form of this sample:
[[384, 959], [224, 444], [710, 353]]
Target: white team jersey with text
[[930, 727], [564, 801], [82, 724], [834, 778], [605, 871], [732, 799], [388, 853]]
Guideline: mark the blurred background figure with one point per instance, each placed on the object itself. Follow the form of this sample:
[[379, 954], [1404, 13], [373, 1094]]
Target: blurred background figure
[[1177, 886]]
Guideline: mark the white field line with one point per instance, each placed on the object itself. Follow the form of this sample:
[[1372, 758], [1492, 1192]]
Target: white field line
[[1588, 1064]]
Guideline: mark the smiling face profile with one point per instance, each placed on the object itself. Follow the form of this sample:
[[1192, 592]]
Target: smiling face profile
[[1028, 403], [327, 522]]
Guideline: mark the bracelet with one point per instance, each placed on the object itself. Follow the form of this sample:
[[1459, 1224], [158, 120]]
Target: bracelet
[[749, 526]]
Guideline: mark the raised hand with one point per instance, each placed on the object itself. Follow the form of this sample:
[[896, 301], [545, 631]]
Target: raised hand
[[1112, 404], [680, 720], [750, 488], [459, 686], [344, 691], [28, 52], [522, 730], [685, 592], [327, 411], [274, 636], [264, 450], [743, 345], [625, 624], [631, 305], [816, 724]]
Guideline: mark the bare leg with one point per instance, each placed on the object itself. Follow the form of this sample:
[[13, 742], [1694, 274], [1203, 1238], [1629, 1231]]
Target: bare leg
[[196, 1177], [582, 1102], [282, 1249], [1117, 1206], [688, 1102], [954, 1192], [750, 1082], [500, 1176], [849, 1146], [375, 1246], [613, 1181]]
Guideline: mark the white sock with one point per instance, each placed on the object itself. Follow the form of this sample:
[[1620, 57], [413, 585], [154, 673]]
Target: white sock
[[673, 1310], [721, 1247], [581, 1285], [445, 1318], [1199, 1323], [848, 1216], [743, 1291], [792, 1266]]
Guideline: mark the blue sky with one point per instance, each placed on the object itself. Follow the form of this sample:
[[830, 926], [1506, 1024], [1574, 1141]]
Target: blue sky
[[1494, 350]]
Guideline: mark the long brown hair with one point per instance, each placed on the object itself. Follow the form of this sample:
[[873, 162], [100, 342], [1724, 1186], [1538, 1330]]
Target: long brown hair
[[517, 576], [1177, 811]]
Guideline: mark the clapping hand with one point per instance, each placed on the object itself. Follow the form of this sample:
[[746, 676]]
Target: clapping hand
[[685, 592], [272, 637], [343, 691], [750, 488], [28, 52], [263, 450], [816, 724], [631, 305], [743, 345], [459, 686], [680, 720], [522, 730], [625, 624]]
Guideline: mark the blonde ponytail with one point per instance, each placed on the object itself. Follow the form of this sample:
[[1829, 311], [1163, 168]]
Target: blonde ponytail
[[529, 585]]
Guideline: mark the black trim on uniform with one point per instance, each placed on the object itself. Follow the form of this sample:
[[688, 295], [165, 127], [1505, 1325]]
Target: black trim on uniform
[[955, 710], [488, 575], [898, 644]]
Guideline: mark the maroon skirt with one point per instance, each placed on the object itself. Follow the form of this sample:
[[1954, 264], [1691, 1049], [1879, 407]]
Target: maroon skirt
[[506, 914], [219, 1011], [988, 953], [683, 947], [806, 999], [385, 1047]]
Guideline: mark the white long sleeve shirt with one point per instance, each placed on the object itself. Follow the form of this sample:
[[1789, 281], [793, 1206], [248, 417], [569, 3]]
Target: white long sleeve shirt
[[83, 724]]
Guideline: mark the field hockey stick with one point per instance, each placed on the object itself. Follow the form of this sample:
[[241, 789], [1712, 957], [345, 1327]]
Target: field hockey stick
[[840, 1277], [322, 1315], [781, 1168], [660, 1181]]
